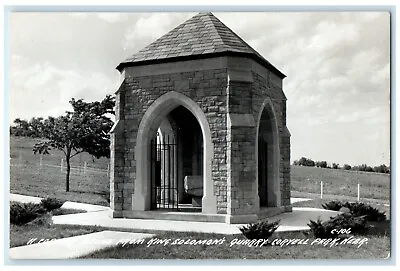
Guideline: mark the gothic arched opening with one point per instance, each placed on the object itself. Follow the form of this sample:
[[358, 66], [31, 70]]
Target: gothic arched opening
[[268, 174], [161, 109], [176, 157]]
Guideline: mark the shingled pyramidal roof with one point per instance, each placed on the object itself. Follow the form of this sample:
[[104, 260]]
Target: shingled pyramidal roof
[[202, 36]]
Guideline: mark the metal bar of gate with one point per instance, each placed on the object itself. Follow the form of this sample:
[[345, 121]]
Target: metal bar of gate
[[177, 169], [151, 174], [170, 188], [175, 174], [163, 171], [154, 171], [164, 174], [172, 172], [156, 174], [176, 159], [171, 180], [168, 177]]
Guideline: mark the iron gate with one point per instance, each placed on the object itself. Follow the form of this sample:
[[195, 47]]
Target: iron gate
[[164, 172]]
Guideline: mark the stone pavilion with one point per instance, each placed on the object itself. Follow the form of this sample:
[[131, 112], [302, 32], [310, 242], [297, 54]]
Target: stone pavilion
[[200, 131]]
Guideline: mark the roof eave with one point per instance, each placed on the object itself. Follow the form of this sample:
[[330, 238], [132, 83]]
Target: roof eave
[[261, 61]]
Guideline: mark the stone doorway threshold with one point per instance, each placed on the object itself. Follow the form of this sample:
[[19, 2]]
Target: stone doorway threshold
[[175, 215], [204, 217], [182, 207]]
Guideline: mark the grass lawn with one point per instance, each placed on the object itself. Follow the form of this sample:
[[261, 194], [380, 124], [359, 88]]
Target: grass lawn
[[43, 228], [340, 182], [28, 178], [21, 152], [20, 235], [317, 203], [377, 247]]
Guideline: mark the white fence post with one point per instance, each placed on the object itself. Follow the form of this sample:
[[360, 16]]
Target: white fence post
[[358, 192], [62, 164], [322, 188], [41, 161], [84, 166]]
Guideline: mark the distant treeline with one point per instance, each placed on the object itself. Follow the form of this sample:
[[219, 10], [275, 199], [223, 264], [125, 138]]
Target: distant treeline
[[32, 128], [303, 161]]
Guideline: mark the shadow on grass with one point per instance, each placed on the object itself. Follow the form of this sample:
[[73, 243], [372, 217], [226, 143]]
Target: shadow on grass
[[378, 229], [62, 211], [103, 194], [43, 229]]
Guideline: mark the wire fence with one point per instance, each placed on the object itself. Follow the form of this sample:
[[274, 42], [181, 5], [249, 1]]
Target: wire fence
[[361, 190], [322, 191], [77, 166], [322, 184]]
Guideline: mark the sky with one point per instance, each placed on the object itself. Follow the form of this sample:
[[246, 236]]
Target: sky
[[337, 66]]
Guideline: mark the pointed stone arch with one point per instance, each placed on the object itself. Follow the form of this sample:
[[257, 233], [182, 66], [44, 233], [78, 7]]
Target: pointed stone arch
[[268, 126], [148, 125]]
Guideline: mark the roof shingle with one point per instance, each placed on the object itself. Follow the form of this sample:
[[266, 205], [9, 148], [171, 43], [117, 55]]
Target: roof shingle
[[200, 36]]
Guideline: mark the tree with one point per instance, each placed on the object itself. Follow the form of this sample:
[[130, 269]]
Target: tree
[[310, 163], [36, 127], [382, 169], [321, 164], [33, 128], [362, 167], [21, 128], [346, 167], [83, 130], [335, 165], [369, 169], [306, 162], [303, 161]]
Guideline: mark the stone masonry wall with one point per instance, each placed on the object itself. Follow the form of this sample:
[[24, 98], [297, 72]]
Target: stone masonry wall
[[117, 162], [207, 88], [241, 144], [262, 88], [233, 148]]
